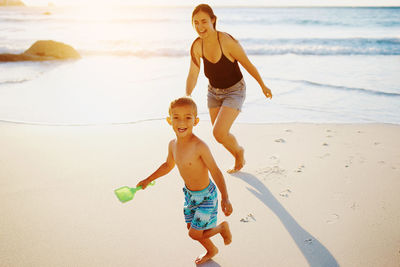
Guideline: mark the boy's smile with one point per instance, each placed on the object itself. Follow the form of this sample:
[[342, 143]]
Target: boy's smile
[[182, 130], [182, 119]]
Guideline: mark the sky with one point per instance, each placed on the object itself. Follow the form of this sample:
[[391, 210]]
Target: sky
[[218, 2]]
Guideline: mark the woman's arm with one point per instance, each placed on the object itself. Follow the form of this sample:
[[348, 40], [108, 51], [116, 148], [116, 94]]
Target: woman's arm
[[194, 68], [192, 78], [238, 53]]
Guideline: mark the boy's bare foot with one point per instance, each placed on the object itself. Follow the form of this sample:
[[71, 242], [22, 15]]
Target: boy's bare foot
[[239, 161], [226, 233], [203, 258]]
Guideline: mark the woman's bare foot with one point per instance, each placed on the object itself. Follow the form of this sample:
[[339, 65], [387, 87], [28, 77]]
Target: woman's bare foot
[[226, 233], [203, 258], [239, 161]]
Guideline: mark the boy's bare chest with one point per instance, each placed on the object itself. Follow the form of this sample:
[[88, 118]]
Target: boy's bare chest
[[186, 158]]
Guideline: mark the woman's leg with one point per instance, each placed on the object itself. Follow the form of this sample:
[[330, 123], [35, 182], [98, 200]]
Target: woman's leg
[[213, 114], [222, 120]]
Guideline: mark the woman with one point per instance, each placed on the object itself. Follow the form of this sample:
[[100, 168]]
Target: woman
[[226, 90]]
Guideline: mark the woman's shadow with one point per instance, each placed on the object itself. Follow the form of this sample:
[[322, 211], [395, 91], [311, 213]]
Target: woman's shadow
[[315, 253]]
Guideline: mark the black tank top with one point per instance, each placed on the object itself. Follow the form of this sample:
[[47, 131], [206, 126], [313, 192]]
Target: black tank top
[[224, 73]]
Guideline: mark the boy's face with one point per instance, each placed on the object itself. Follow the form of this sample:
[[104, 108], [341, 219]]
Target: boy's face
[[182, 120]]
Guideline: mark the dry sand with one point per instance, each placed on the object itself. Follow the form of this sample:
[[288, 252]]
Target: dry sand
[[310, 195]]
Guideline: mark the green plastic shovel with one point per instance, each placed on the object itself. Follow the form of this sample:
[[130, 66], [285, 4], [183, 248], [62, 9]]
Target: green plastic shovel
[[126, 193]]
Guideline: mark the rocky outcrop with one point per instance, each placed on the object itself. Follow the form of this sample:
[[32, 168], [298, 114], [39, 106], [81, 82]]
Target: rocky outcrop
[[44, 50], [11, 3], [52, 50], [14, 57]]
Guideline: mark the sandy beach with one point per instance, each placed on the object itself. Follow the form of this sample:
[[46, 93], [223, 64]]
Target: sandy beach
[[309, 195], [322, 178]]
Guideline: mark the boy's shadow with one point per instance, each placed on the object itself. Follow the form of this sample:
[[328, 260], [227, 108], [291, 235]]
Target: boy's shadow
[[315, 253], [209, 263]]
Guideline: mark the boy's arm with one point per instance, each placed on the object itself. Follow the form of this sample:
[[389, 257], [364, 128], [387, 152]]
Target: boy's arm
[[165, 168], [217, 176]]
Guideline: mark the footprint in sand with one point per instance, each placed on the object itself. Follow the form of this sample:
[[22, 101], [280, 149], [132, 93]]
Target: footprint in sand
[[274, 172], [274, 157], [308, 243], [248, 217], [325, 144], [333, 218], [280, 140], [349, 162], [285, 193], [300, 168], [275, 160], [325, 156], [354, 206]]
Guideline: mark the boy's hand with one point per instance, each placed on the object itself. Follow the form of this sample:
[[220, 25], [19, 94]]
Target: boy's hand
[[144, 183], [226, 207]]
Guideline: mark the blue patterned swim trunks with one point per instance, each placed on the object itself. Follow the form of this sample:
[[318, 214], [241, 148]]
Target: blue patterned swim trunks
[[201, 207]]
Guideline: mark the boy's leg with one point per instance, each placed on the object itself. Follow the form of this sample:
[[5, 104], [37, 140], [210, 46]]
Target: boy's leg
[[211, 249], [203, 236], [223, 229]]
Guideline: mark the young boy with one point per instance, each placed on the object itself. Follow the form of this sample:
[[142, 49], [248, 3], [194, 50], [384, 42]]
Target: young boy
[[194, 161]]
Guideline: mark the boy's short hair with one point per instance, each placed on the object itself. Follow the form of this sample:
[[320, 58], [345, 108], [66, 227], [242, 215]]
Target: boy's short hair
[[183, 101]]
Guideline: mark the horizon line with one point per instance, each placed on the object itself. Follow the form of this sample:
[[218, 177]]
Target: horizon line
[[218, 5]]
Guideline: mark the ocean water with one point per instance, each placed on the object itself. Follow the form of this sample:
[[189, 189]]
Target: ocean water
[[338, 65]]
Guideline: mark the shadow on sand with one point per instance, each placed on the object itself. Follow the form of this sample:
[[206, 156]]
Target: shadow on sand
[[209, 263], [315, 253]]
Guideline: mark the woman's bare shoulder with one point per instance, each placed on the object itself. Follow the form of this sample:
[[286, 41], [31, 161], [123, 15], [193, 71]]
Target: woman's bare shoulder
[[226, 37], [228, 41], [196, 45]]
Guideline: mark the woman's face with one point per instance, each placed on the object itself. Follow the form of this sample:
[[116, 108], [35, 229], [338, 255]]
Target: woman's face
[[203, 24]]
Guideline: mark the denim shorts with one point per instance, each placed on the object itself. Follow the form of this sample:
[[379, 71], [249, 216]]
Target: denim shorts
[[232, 97]]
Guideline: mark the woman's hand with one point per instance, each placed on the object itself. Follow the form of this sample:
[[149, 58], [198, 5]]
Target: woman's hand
[[267, 92]]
